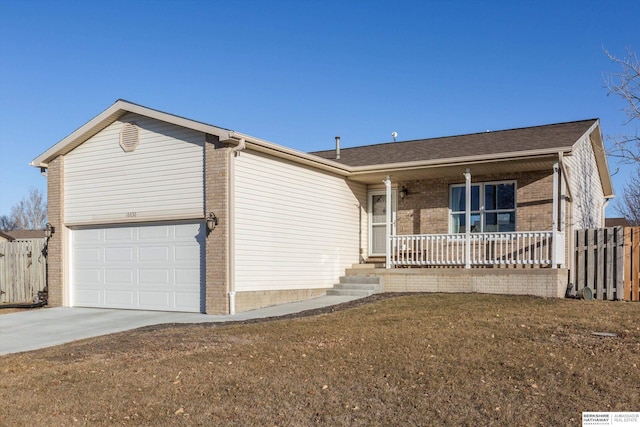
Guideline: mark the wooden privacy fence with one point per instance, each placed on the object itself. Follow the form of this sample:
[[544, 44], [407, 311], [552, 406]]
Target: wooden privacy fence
[[607, 260], [22, 270], [632, 263]]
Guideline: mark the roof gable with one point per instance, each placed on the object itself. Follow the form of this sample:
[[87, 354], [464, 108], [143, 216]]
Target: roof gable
[[110, 115]]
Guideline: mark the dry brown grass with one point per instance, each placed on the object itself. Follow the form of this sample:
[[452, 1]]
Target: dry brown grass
[[410, 360]]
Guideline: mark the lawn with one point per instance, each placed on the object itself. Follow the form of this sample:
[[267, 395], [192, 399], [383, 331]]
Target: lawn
[[457, 359]]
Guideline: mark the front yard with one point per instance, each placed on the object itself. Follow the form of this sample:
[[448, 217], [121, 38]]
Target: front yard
[[465, 359]]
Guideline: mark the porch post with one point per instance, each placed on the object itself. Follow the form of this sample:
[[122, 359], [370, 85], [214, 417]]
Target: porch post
[[563, 216], [387, 186], [554, 220], [467, 220]]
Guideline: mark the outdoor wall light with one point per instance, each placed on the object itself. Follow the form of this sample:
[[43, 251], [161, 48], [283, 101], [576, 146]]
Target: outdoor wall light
[[49, 230], [212, 221], [403, 192]]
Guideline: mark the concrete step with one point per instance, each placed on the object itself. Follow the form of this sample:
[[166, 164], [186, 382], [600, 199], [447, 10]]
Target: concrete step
[[360, 279], [357, 286], [367, 266], [362, 286], [360, 271], [350, 292]]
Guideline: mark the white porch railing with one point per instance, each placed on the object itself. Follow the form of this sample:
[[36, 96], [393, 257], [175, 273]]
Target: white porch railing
[[521, 248]]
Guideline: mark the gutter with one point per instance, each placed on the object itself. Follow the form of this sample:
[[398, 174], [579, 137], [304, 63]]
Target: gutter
[[456, 161], [300, 157], [231, 240]]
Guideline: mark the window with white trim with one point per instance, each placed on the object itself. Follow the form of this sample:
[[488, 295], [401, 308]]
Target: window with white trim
[[493, 207]]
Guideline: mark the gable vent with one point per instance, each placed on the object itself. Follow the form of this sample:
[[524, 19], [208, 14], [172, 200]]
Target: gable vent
[[129, 137]]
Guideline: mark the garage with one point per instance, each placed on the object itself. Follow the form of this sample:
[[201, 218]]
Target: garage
[[156, 266]]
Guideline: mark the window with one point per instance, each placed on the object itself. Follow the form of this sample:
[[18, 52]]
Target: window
[[493, 207]]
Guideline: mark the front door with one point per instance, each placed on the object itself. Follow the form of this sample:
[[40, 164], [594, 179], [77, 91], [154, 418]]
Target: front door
[[377, 221]]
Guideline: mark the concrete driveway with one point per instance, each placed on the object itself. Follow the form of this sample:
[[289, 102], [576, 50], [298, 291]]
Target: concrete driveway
[[35, 329]]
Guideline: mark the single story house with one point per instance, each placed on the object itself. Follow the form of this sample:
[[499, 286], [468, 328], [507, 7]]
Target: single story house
[[158, 212]]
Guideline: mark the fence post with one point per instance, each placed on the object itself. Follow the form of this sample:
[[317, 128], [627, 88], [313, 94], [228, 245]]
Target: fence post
[[632, 263]]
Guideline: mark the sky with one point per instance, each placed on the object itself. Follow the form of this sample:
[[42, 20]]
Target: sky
[[298, 73]]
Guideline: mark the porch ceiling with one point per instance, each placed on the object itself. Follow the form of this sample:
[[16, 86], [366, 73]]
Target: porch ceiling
[[487, 167]]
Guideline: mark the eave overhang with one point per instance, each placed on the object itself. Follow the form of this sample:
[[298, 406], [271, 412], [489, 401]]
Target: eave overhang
[[110, 115], [597, 143], [508, 162], [521, 161]]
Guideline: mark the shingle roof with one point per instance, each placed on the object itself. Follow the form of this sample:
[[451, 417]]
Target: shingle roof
[[615, 222], [560, 135], [4, 235]]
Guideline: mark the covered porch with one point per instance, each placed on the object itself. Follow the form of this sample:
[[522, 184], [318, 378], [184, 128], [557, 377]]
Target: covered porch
[[520, 243]]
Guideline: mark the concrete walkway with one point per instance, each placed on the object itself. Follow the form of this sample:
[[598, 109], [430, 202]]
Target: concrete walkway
[[35, 329]]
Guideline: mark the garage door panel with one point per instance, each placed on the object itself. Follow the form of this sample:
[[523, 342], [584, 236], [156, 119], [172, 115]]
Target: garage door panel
[[150, 299], [185, 253], [184, 276], [118, 254], [158, 234], [89, 297], [118, 277], [150, 267], [119, 234], [119, 298], [185, 300], [155, 254], [90, 276], [158, 277], [186, 233], [89, 236], [88, 255]]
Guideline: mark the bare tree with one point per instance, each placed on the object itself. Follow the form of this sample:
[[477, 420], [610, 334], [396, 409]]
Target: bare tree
[[31, 212], [626, 147], [626, 85], [629, 205], [6, 224]]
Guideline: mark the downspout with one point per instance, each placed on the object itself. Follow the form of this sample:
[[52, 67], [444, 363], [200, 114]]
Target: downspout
[[231, 238]]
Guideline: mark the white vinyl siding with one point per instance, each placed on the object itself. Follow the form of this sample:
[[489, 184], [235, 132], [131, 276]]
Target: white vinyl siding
[[295, 227], [161, 179], [586, 188]]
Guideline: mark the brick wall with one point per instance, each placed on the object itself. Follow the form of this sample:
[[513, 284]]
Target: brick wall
[[425, 210], [55, 212], [542, 282], [216, 257]]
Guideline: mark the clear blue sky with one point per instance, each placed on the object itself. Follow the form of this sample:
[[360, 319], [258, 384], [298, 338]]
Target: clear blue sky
[[297, 73]]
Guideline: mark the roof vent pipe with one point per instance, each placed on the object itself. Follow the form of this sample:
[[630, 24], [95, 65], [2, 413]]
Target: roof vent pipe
[[337, 148]]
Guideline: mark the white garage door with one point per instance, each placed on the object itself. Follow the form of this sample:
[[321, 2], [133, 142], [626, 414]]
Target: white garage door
[[144, 267]]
